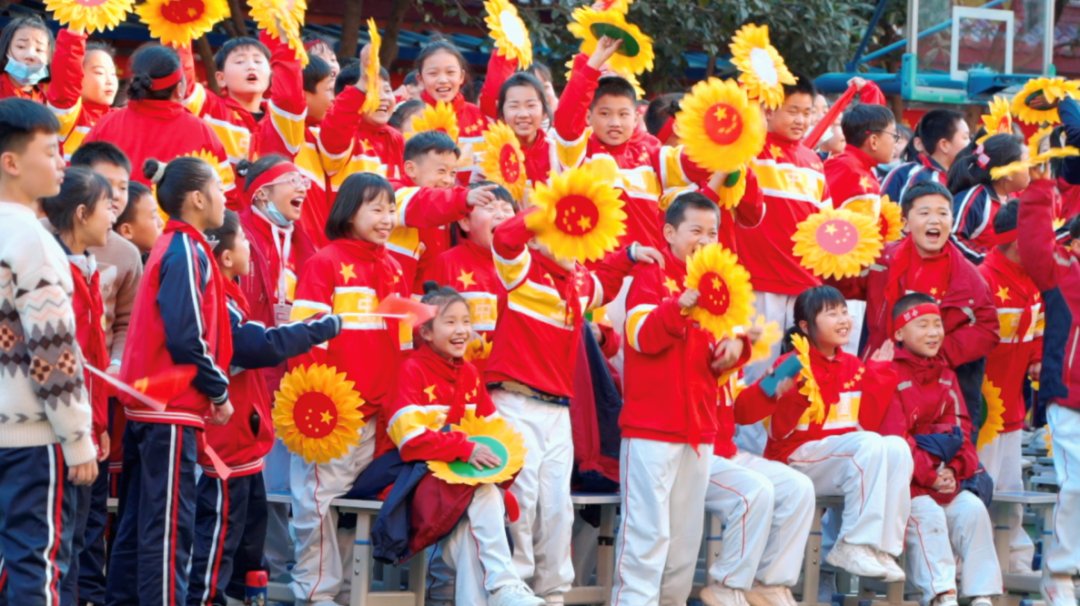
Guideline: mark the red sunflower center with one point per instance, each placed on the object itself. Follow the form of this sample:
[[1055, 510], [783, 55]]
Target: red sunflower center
[[315, 414], [183, 11], [715, 297], [723, 124], [509, 164], [837, 237], [576, 215]]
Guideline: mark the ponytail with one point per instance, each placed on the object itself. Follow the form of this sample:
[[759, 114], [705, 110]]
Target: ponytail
[[973, 166], [177, 179]]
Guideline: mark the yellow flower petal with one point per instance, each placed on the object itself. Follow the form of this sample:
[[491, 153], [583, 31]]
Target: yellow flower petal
[[837, 243], [580, 217], [178, 22], [1053, 90], [90, 15], [726, 300], [317, 413], [995, 414], [509, 32], [371, 71], [762, 71], [439, 117], [490, 430], [635, 54], [503, 161], [719, 127]]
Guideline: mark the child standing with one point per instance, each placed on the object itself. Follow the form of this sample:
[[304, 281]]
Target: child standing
[[947, 524], [180, 317], [83, 88], [26, 49], [140, 222], [870, 133], [349, 276], [979, 196], [942, 134], [46, 427]]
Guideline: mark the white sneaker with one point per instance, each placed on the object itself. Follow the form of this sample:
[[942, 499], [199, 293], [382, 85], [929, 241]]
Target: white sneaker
[[893, 572], [859, 560], [1057, 590], [945, 599], [720, 595], [982, 601], [517, 594], [770, 595]]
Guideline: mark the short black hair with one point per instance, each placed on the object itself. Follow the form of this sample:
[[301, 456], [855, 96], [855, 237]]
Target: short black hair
[[315, 72], [912, 299], [151, 61], [921, 190], [539, 70], [676, 211], [179, 177], [1006, 218], [430, 141], [357, 190], [348, 76], [404, 112], [20, 120], [863, 120], [410, 78], [98, 45], [660, 109], [32, 21], [613, 86], [224, 237], [499, 192], [804, 85], [81, 187], [100, 152], [136, 191], [935, 126], [234, 44], [1074, 228]]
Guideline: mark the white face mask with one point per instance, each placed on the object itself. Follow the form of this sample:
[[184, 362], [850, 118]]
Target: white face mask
[[24, 74]]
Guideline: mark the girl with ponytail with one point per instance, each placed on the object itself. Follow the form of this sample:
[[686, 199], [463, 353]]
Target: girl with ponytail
[[981, 181]]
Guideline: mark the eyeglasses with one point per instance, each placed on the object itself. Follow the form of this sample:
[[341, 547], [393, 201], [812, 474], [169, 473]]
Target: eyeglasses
[[294, 179], [896, 136]]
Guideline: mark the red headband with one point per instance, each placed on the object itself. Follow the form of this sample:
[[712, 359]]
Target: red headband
[[267, 177], [923, 309], [666, 130], [165, 82]]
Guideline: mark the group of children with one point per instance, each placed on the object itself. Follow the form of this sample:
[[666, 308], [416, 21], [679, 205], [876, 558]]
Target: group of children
[[140, 360]]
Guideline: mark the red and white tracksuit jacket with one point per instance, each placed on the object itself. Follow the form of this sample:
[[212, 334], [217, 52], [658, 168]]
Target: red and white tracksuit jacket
[[64, 95]]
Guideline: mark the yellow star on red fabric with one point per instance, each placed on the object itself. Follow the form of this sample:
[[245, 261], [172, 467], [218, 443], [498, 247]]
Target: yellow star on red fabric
[[326, 417], [430, 391], [347, 271], [366, 147], [1003, 294], [775, 151], [865, 183], [671, 285], [466, 279]]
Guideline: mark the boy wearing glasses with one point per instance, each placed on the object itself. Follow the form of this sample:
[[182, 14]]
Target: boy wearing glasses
[[870, 131]]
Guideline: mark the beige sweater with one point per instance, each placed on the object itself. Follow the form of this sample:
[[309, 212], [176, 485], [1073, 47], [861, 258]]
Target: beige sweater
[[121, 268]]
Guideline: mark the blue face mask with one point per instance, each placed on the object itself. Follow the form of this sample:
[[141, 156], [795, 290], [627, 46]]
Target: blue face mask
[[275, 215], [24, 74]]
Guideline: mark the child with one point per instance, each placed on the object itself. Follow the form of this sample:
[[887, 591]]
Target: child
[[83, 87], [947, 524], [349, 277], [82, 217], [318, 47], [140, 222], [401, 119], [831, 440], [940, 136], [1016, 357], [870, 132], [26, 50], [436, 388], [660, 118], [231, 515], [46, 433], [154, 94], [470, 268], [977, 195], [522, 106], [663, 458], [180, 317]]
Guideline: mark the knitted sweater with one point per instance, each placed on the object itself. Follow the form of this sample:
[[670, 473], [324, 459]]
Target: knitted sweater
[[43, 399]]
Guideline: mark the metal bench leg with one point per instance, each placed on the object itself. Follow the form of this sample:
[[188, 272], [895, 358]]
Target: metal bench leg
[[361, 568], [605, 551], [812, 560], [418, 577], [713, 542]]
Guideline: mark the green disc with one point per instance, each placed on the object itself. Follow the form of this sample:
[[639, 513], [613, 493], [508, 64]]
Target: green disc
[[465, 470], [629, 46]]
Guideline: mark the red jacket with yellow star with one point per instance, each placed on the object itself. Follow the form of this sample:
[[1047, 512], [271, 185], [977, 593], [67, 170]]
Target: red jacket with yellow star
[[423, 218], [667, 360], [1020, 327], [850, 176], [470, 270]]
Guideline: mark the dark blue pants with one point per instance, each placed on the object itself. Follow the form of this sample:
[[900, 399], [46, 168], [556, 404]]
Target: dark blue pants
[[37, 510], [92, 559], [149, 560], [230, 534]]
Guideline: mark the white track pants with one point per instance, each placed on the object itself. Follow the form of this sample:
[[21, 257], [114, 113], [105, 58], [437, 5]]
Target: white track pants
[[767, 509], [663, 516], [318, 573], [873, 474], [478, 551], [1063, 556], [1001, 457], [939, 537], [543, 532]]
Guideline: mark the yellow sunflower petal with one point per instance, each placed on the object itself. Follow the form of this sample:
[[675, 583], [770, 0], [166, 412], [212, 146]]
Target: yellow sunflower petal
[[771, 333], [478, 349], [1012, 168], [726, 300], [503, 161], [495, 433], [762, 71], [178, 22], [580, 217], [1035, 148], [440, 117], [995, 414], [998, 121], [809, 388], [90, 15], [282, 17], [223, 170], [371, 71], [892, 224], [719, 127], [1053, 90], [837, 243], [509, 32], [317, 413], [732, 188], [635, 54]]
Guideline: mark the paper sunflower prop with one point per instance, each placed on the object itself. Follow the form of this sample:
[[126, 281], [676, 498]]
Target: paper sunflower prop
[[837, 243], [496, 434], [732, 188], [1037, 101], [439, 117], [998, 121], [727, 299], [580, 217], [1035, 149], [503, 161], [178, 22], [762, 71], [635, 54], [809, 388], [317, 413], [509, 32], [1012, 168], [283, 18], [222, 169], [371, 71], [891, 220], [90, 15], [770, 335], [478, 349], [719, 127], [995, 414]]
